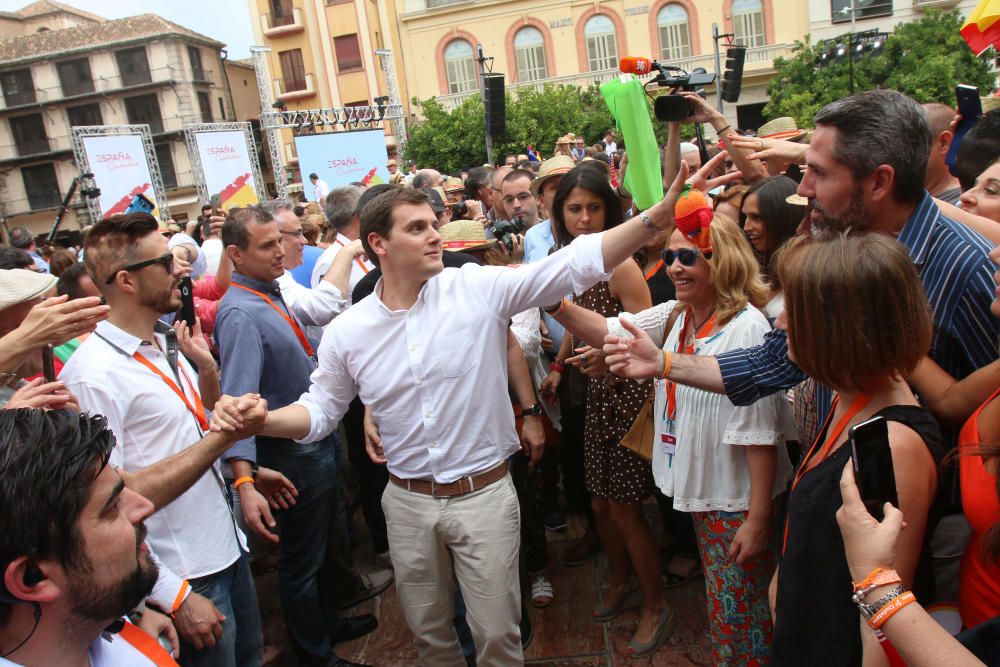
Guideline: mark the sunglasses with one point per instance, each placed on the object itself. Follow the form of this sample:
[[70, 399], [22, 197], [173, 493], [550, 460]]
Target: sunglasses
[[687, 256], [167, 260]]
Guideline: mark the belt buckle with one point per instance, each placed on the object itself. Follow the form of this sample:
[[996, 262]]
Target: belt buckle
[[434, 487]]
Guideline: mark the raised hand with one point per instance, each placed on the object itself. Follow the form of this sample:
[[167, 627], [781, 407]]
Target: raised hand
[[637, 357], [56, 320], [701, 181], [43, 395], [786, 152], [194, 346], [867, 542]]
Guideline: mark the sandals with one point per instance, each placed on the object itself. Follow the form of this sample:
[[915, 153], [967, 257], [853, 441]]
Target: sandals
[[541, 592], [672, 580], [630, 600], [664, 626]]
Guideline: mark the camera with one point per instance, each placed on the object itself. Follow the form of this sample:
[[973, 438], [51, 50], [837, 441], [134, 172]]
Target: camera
[[669, 108], [459, 211], [505, 230]]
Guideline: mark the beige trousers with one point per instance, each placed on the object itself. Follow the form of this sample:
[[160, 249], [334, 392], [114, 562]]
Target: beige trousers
[[473, 539]]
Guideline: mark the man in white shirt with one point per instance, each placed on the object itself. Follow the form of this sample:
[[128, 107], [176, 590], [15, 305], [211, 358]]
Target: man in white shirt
[[130, 371], [425, 354], [341, 213], [211, 244], [320, 189]]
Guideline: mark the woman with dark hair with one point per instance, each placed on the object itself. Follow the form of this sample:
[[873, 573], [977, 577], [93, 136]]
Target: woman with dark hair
[[617, 478]]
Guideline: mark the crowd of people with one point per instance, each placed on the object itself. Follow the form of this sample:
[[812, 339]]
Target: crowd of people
[[467, 358]]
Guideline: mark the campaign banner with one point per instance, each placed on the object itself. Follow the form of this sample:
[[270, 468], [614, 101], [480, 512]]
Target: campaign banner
[[226, 167], [118, 162], [340, 158]]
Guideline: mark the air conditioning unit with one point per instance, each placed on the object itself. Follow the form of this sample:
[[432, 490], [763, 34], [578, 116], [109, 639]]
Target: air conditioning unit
[[923, 5]]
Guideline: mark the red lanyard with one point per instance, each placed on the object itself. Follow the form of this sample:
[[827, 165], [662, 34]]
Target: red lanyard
[[356, 259], [684, 348], [809, 461], [198, 409], [652, 272], [292, 322]]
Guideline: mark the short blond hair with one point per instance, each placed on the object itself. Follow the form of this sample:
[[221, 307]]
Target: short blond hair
[[857, 312]]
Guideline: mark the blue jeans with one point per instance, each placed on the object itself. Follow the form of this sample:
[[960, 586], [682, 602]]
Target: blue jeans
[[304, 528], [232, 592]]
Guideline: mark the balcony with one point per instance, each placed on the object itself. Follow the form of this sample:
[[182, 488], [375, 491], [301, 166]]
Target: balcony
[[20, 98], [759, 61], [199, 75], [34, 150], [294, 88], [273, 25], [99, 86]]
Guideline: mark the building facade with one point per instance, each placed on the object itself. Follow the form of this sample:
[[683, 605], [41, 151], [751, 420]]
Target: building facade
[[580, 42], [69, 69], [830, 19]]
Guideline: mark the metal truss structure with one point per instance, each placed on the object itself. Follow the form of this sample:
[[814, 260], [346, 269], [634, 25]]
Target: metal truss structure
[[195, 156]]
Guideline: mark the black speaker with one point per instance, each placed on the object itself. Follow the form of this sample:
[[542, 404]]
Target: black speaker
[[495, 109], [732, 80]]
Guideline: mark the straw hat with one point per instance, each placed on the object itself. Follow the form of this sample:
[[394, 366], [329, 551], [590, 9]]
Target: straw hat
[[796, 200], [453, 184], [781, 128], [391, 163], [20, 285], [564, 140], [554, 166], [464, 235], [990, 103]]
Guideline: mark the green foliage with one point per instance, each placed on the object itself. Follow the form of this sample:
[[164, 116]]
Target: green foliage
[[924, 59]]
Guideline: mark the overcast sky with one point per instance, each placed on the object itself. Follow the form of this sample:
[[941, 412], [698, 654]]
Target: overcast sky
[[225, 20]]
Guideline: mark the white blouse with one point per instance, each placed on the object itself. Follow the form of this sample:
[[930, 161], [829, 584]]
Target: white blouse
[[709, 470]]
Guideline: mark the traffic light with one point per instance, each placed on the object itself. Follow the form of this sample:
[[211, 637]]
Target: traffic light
[[732, 80], [495, 113]]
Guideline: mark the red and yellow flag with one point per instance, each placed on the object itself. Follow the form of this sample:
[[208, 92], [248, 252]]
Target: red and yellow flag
[[982, 28]]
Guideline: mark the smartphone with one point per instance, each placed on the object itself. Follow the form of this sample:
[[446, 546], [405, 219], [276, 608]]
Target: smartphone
[[971, 108], [186, 312], [872, 461], [216, 203], [48, 364], [140, 204]]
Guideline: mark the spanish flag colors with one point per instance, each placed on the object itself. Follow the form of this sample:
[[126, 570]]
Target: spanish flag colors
[[982, 28]]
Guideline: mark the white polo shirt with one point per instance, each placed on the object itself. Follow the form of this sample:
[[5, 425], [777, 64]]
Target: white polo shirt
[[196, 534]]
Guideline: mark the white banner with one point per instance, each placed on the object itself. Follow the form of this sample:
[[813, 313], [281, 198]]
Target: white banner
[[118, 162], [339, 158], [225, 161]]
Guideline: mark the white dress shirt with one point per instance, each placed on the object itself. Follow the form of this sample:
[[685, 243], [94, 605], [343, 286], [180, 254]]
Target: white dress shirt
[[196, 534], [435, 376], [320, 190], [212, 250], [314, 307], [359, 267]]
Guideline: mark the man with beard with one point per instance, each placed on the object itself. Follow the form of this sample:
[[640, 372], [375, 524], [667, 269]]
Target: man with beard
[[130, 371], [72, 554]]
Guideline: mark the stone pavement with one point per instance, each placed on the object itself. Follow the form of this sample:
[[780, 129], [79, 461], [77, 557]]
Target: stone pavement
[[564, 632]]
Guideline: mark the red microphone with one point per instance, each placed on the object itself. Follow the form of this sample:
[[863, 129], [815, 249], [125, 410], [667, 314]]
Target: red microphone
[[635, 65]]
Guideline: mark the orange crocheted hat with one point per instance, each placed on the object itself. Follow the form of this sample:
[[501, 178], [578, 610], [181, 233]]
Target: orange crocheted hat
[[693, 217]]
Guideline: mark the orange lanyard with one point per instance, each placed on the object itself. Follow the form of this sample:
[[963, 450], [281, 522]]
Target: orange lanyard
[[684, 348], [292, 322], [652, 272], [198, 409], [809, 461], [356, 259]]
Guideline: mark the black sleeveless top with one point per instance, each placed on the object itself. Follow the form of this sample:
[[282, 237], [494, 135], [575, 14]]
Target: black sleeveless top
[[817, 623]]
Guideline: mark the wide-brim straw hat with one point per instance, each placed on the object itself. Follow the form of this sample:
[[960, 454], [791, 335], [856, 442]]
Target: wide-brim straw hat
[[20, 285], [453, 184], [990, 103], [554, 166], [783, 128], [464, 236], [796, 200]]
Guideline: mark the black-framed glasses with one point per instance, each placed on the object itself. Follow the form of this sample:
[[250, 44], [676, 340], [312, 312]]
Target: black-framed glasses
[[167, 260], [687, 256]]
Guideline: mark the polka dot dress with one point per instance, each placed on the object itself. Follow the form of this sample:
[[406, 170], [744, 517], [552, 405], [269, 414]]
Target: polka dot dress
[[612, 471]]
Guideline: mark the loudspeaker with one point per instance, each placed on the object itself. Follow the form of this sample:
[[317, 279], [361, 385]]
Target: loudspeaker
[[732, 80], [495, 108]]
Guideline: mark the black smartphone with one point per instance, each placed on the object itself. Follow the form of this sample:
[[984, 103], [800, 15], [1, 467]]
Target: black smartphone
[[186, 312], [48, 364], [872, 461], [971, 108], [216, 203], [140, 204]]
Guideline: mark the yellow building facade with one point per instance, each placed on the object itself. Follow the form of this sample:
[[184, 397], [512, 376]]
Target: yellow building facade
[[534, 42]]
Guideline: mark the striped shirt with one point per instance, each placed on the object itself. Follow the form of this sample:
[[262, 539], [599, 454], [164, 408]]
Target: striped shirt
[[957, 274]]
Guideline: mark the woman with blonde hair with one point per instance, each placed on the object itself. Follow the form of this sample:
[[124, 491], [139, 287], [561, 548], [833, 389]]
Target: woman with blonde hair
[[722, 463]]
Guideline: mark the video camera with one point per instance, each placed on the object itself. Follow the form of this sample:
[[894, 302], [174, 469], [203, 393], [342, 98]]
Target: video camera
[[672, 107]]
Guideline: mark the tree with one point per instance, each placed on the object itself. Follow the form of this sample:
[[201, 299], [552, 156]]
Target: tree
[[924, 59]]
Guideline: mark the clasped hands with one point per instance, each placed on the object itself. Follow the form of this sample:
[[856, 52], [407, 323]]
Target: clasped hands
[[244, 415]]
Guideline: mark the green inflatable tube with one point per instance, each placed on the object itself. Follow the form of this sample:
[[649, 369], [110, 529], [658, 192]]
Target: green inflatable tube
[[626, 100]]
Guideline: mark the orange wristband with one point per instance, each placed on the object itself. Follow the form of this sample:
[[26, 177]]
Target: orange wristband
[[888, 611], [181, 595], [242, 480], [668, 358], [878, 577]]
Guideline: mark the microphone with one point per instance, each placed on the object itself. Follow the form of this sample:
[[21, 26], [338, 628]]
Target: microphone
[[636, 65]]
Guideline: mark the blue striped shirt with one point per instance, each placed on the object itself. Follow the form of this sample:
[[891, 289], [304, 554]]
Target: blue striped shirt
[[957, 274]]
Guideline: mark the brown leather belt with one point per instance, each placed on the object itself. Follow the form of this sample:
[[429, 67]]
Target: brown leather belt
[[459, 487]]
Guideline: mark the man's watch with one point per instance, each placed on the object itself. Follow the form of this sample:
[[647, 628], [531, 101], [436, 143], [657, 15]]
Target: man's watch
[[533, 411]]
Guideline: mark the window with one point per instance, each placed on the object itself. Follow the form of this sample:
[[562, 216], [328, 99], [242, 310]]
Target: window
[[460, 67], [18, 88], [748, 22], [675, 33], [197, 71], [602, 43], [840, 10], [144, 109], [348, 52], [529, 52], [41, 186], [165, 158], [29, 134], [133, 66], [74, 77], [222, 109], [281, 13], [85, 114], [293, 72], [205, 105]]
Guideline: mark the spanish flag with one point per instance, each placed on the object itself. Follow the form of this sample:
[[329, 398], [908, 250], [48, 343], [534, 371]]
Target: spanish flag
[[982, 28]]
